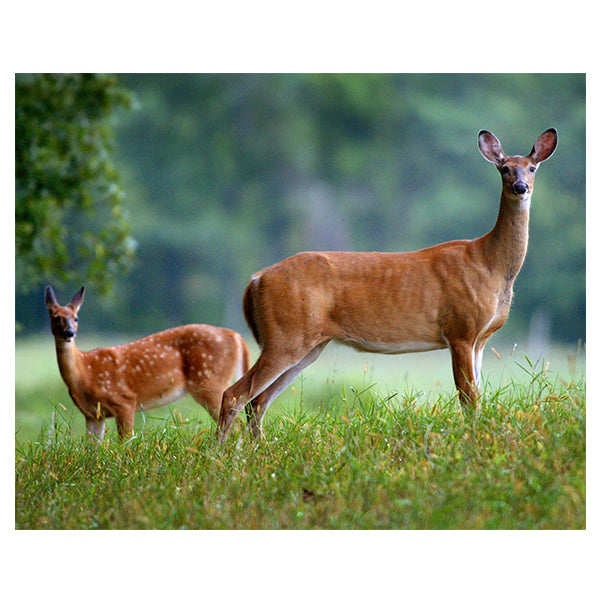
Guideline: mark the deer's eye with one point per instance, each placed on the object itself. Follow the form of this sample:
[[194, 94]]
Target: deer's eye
[[504, 170], [532, 169]]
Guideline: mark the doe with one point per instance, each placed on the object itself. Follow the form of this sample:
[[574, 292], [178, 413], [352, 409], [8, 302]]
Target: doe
[[117, 381], [453, 295]]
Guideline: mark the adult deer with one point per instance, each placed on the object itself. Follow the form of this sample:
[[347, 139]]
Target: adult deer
[[154, 371], [453, 295]]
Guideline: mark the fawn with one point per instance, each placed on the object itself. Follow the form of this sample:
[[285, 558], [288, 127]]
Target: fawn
[[154, 371]]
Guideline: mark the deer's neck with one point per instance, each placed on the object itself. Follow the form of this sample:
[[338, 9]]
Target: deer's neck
[[70, 364], [505, 245]]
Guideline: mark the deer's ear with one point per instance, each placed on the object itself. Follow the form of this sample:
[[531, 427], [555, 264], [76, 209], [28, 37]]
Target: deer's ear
[[544, 146], [50, 297], [490, 147], [77, 299]]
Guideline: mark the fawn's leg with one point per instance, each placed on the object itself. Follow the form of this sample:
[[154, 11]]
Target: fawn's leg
[[124, 416], [95, 428]]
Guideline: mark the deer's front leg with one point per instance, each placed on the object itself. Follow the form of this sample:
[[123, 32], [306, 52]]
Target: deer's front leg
[[463, 369], [124, 416]]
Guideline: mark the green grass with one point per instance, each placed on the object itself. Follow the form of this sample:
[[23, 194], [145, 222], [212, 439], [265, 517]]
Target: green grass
[[336, 457], [41, 396]]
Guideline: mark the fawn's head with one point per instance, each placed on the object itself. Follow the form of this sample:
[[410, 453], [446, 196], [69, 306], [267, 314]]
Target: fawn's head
[[518, 172], [63, 319]]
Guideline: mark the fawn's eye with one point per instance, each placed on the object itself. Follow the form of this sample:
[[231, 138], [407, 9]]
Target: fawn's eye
[[532, 169], [504, 170]]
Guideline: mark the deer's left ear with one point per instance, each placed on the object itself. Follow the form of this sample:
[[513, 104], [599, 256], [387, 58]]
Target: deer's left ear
[[544, 146], [77, 299]]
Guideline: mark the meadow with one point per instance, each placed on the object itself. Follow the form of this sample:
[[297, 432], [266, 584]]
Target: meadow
[[357, 442]]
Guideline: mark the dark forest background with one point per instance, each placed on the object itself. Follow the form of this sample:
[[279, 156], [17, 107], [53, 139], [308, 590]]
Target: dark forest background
[[164, 193]]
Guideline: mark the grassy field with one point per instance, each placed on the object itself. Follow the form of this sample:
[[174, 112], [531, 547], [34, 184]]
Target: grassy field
[[41, 396], [354, 444]]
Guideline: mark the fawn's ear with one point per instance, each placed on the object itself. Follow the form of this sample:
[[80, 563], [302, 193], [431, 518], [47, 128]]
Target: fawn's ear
[[50, 297], [77, 299], [490, 147], [544, 146]]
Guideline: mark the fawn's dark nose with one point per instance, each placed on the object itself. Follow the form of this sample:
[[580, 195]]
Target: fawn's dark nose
[[69, 333], [520, 187]]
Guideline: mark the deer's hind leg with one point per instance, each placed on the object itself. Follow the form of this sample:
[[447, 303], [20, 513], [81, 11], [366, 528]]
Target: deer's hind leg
[[209, 397], [271, 367], [261, 403]]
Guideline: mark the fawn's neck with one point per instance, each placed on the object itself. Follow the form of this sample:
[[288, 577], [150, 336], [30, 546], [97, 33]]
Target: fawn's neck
[[70, 363], [505, 246]]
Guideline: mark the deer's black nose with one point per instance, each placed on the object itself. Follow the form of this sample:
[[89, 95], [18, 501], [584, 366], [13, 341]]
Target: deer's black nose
[[520, 187], [68, 333]]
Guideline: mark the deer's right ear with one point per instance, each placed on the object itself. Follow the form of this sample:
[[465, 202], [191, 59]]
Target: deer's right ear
[[77, 299], [490, 147], [50, 297]]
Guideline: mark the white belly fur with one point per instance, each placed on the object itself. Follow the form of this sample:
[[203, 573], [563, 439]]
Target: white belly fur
[[163, 400], [393, 347]]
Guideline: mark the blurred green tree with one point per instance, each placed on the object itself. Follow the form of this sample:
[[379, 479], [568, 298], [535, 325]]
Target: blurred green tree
[[232, 172], [69, 220], [228, 173]]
